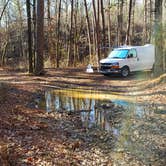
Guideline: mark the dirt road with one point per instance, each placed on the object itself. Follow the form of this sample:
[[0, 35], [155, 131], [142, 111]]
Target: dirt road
[[29, 136]]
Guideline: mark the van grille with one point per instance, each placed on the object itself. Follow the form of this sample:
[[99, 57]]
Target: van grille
[[105, 66]]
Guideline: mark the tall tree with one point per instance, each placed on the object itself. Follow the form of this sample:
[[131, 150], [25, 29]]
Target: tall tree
[[158, 32], [97, 27], [39, 67], [29, 36], [120, 22], [58, 36], [133, 22], [103, 23], [109, 23], [34, 33], [145, 30], [89, 29], [129, 23], [20, 28], [70, 51]]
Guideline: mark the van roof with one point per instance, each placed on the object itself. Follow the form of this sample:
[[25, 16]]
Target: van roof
[[130, 47]]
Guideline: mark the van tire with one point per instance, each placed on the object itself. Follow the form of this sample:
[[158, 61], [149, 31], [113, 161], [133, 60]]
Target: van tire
[[125, 71]]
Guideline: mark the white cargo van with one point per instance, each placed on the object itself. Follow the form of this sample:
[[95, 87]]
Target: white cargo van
[[128, 59]]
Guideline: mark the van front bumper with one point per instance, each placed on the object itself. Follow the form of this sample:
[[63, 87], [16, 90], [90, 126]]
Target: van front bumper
[[110, 71]]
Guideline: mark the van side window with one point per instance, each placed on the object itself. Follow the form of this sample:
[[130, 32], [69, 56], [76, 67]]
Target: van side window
[[132, 53]]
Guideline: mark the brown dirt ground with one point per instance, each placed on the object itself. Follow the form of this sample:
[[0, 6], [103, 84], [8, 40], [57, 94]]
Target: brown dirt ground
[[27, 136]]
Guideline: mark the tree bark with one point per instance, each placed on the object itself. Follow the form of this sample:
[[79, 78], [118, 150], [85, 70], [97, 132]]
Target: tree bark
[[89, 31], [70, 53], [58, 35], [29, 36], [129, 24], [39, 68], [145, 30], [158, 31], [109, 24], [121, 22], [34, 33], [103, 24], [3, 10], [97, 31]]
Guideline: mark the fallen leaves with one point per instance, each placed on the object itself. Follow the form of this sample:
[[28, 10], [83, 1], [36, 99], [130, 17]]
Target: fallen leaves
[[57, 139]]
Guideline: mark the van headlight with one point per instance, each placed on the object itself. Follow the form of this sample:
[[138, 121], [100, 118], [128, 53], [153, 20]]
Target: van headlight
[[115, 65]]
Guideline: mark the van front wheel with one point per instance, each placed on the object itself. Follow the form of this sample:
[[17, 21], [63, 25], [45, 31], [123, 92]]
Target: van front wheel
[[125, 71]]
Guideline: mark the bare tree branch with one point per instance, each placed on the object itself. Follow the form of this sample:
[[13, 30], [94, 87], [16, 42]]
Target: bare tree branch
[[4, 10]]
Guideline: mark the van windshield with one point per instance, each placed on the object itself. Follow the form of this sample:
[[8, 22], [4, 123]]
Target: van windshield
[[119, 53]]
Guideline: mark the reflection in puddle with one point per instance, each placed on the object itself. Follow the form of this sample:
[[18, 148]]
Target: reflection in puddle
[[138, 129], [95, 109]]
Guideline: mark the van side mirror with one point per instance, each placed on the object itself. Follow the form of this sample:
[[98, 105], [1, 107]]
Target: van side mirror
[[130, 56]]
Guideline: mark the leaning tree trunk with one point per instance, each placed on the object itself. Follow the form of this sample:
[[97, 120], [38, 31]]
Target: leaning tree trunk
[[3, 10]]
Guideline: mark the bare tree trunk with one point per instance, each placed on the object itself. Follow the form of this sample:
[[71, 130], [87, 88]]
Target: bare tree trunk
[[109, 24], [133, 21], [34, 33], [151, 19], [58, 35], [6, 42], [158, 31], [94, 43], [103, 24], [89, 30], [121, 22], [76, 33], [66, 24], [118, 24], [40, 38], [128, 24], [3, 10], [97, 31], [29, 36], [49, 28], [70, 53], [20, 29], [145, 30]]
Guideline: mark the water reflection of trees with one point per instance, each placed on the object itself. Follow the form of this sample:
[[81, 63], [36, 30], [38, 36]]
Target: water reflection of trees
[[138, 128], [91, 113]]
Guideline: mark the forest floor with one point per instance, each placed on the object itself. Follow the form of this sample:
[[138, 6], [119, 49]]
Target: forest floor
[[30, 136]]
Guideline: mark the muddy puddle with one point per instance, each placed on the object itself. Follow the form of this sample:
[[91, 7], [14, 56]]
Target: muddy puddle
[[138, 130]]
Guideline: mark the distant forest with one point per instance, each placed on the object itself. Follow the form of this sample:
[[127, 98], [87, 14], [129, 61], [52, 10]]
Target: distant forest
[[37, 34]]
